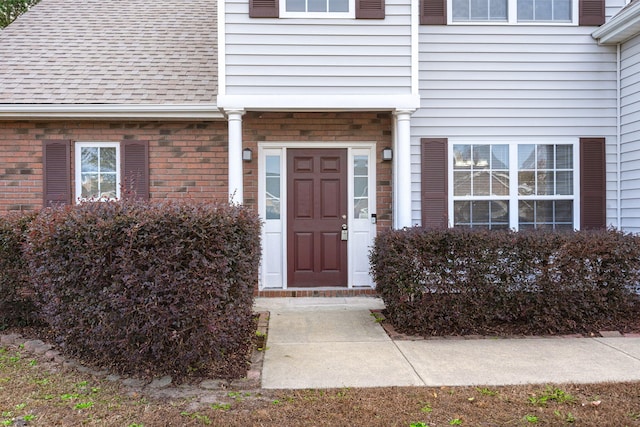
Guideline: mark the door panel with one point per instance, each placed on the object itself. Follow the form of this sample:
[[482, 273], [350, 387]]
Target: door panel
[[317, 202]]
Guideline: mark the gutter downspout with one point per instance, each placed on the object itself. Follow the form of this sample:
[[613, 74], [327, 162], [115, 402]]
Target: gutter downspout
[[619, 137]]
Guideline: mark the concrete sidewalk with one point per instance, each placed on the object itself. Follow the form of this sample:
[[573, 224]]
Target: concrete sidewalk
[[335, 342]]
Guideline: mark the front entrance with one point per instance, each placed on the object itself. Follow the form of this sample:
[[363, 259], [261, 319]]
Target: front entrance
[[317, 209]]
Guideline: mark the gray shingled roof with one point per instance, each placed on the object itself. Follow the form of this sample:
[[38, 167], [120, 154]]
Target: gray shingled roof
[[111, 52]]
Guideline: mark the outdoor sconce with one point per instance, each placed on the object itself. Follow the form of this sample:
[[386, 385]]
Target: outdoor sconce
[[247, 155], [387, 154]]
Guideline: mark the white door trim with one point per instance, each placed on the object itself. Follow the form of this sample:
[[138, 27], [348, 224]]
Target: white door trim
[[270, 277]]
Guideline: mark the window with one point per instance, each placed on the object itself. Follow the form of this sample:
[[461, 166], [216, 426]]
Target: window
[[361, 187], [513, 11], [317, 8], [272, 196], [511, 185], [97, 170]]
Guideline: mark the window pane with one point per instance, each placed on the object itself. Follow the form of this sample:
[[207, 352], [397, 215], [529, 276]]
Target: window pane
[[500, 157], [462, 213], [481, 156], [481, 184], [361, 208], [317, 5], [526, 183], [500, 212], [273, 165], [461, 184], [526, 212], [272, 196], [361, 186], [543, 10], [562, 10], [479, 10], [499, 183], [564, 211], [564, 182], [460, 10], [338, 5], [273, 188], [544, 211], [526, 156], [89, 159], [296, 6], [108, 185], [545, 157], [90, 187], [361, 165], [461, 156], [525, 10], [498, 10], [480, 212], [107, 159], [545, 184], [564, 157]]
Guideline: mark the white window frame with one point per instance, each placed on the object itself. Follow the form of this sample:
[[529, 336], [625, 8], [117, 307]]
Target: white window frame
[[78, 168], [351, 14], [513, 196], [512, 17]]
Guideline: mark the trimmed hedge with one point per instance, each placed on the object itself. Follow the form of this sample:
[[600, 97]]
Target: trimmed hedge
[[461, 281], [16, 308], [149, 289]]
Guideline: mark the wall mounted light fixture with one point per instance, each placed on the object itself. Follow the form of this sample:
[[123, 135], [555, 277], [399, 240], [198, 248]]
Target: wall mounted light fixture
[[247, 155], [387, 154]]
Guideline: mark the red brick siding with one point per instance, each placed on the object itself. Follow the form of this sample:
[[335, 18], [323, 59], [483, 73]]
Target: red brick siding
[[187, 159], [328, 127]]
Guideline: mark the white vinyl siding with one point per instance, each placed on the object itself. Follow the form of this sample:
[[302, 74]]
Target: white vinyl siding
[[509, 82], [286, 56], [630, 136]]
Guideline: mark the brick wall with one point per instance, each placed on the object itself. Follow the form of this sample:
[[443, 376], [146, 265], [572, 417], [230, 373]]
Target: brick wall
[[327, 127], [187, 159]]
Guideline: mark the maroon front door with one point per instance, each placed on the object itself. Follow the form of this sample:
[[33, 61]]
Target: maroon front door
[[316, 216]]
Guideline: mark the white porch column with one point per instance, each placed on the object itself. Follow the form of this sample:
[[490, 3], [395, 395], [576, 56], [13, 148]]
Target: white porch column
[[402, 169], [235, 156]]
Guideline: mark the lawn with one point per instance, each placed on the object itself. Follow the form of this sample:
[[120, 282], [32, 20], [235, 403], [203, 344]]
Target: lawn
[[34, 392]]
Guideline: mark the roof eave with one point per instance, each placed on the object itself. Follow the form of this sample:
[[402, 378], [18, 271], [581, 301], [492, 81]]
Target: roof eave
[[111, 111], [621, 27]]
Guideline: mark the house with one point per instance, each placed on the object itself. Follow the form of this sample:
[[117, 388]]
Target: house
[[335, 119]]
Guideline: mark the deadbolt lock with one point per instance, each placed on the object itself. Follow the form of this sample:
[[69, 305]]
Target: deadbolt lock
[[345, 233]]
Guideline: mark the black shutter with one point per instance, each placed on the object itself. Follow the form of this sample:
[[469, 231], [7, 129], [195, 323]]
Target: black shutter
[[592, 183], [433, 12], [56, 171], [134, 165], [370, 9], [434, 182], [591, 12], [264, 8]]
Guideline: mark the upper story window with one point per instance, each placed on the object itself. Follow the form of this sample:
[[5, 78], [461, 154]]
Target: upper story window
[[514, 11], [363, 9], [317, 9]]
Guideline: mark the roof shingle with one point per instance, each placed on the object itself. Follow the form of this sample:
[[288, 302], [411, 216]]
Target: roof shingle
[[111, 52]]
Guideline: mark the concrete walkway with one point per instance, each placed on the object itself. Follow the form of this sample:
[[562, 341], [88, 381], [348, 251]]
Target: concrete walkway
[[335, 342]]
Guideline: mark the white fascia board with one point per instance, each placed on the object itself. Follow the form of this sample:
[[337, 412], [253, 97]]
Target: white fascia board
[[111, 111], [319, 102], [621, 27]]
